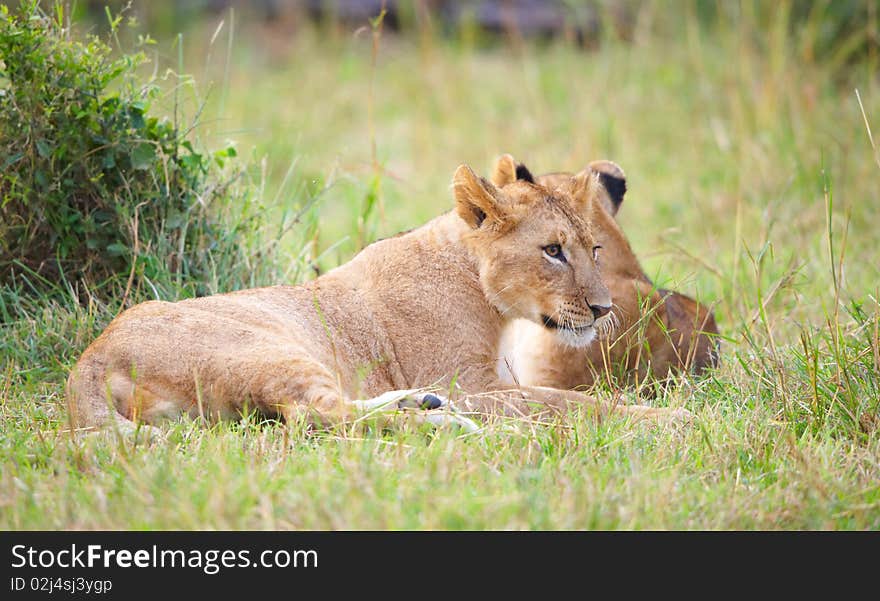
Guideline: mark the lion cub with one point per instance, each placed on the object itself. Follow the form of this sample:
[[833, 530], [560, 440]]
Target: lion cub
[[413, 311], [654, 332]]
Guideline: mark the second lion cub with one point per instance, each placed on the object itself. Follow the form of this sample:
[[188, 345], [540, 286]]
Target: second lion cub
[[655, 333]]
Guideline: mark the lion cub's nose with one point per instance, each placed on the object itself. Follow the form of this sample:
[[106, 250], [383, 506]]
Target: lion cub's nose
[[600, 310]]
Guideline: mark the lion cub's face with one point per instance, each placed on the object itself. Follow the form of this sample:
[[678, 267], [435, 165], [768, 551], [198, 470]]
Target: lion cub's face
[[538, 258]]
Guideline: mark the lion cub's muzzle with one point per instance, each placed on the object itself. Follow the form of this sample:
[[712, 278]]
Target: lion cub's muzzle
[[571, 329], [569, 333]]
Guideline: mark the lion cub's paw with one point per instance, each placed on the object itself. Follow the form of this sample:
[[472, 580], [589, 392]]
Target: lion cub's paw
[[128, 432], [661, 415], [425, 406], [404, 399], [675, 417], [425, 400], [682, 416], [451, 418], [436, 410]]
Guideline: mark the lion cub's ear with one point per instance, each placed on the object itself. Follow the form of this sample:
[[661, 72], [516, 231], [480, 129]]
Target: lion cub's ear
[[504, 171], [507, 171], [476, 199], [613, 182], [582, 187]]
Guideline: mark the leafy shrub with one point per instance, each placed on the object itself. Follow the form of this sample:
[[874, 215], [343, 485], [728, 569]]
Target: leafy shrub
[[92, 187]]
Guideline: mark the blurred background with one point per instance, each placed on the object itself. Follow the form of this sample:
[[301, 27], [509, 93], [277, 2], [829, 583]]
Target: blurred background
[[733, 120]]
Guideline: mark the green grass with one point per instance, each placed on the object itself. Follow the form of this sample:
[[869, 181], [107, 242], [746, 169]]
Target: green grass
[[752, 185]]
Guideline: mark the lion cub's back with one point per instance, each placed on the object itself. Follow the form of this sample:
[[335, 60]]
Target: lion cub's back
[[161, 332]]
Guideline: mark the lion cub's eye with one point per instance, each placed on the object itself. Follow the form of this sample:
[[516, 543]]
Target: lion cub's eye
[[596, 252], [554, 251]]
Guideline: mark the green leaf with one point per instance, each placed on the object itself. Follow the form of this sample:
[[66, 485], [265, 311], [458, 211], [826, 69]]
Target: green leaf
[[43, 149], [102, 216], [192, 162], [12, 159], [143, 156], [137, 118], [116, 249]]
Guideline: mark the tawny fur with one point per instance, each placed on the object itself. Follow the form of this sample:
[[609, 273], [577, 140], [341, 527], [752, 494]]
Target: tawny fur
[[656, 333], [416, 310]]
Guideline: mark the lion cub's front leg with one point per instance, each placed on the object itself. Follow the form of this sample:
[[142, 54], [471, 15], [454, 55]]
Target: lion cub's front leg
[[540, 401]]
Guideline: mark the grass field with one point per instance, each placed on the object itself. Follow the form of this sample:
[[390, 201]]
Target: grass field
[[753, 186]]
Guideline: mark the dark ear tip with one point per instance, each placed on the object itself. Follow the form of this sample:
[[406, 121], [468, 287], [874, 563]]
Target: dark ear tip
[[616, 187], [523, 173]]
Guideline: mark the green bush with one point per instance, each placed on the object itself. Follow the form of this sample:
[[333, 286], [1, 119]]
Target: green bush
[[94, 189]]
